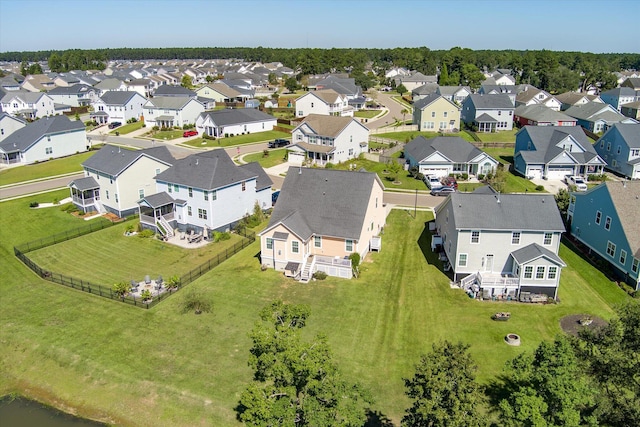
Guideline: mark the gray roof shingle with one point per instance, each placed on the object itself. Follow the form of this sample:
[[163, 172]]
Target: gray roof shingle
[[534, 251], [118, 97], [325, 202], [263, 179], [112, 160], [546, 138], [484, 102], [229, 117], [23, 138], [454, 148], [83, 184]]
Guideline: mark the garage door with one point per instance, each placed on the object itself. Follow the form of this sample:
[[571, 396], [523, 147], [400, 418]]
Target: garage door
[[435, 171], [559, 173], [535, 173]]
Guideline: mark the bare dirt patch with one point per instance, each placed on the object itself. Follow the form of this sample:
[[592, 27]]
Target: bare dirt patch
[[575, 323]]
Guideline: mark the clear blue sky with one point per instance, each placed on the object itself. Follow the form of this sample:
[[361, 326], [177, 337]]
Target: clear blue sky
[[587, 25]]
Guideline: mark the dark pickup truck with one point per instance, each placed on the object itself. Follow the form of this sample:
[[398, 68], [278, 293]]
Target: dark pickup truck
[[278, 143]]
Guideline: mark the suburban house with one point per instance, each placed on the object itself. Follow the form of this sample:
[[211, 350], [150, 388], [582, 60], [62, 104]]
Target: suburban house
[[500, 77], [326, 102], [534, 96], [423, 91], [490, 89], [551, 152], [118, 106], [489, 113], [229, 122], [414, 80], [620, 148], [632, 109], [455, 94], [540, 115], [321, 217], [29, 105], [46, 138], [219, 92], [78, 95], [116, 178], [597, 117], [502, 245], [442, 156], [632, 82], [436, 113], [142, 86], [606, 220], [619, 96], [38, 83], [170, 111], [111, 85], [9, 124], [328, 139], [569, 99], [173, 90], [344, 86], [204, 192]]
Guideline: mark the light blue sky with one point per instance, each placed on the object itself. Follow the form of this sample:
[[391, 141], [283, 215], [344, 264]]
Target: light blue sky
[[586, 25]]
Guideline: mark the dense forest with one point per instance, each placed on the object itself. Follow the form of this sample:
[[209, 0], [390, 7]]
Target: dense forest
[[550, 70]]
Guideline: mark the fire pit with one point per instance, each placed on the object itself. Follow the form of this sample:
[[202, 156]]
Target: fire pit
[[512, 339]]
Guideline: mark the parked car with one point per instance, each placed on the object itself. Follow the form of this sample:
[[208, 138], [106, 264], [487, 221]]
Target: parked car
[[449, 181], [579, 182], [278, 143], [442, 191], [114, 125], [432, 181], [188, 133]]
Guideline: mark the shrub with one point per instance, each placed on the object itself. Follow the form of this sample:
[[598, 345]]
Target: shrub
[[69, 207], [464, 176], [155, 128], [195, 300], [480, 177], [420, 176], [539, 187], [265, 153], [145, 234], [220, 236], [34, 204], [226, 135], [329, 165], [56, 201], [319, 275]]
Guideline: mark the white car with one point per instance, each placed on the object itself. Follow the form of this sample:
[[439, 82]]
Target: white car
[[432, 182], [579, 182]]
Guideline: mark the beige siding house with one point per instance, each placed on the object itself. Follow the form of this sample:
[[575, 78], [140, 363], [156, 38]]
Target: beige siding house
[[321, 217], [436, 113]]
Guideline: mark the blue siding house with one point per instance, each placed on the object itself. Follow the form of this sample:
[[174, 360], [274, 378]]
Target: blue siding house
[[620, 148], [607, 220]]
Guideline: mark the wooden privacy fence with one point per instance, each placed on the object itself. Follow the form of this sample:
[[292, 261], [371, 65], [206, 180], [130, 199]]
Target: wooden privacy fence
[[106, 291]]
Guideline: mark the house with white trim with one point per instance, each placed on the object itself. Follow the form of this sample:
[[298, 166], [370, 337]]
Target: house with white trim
[[118, 106], [326, 102], [169, 111], [29, 105], [9, 124], [230, 122], [321, 217], [489, 113], [501, 246]]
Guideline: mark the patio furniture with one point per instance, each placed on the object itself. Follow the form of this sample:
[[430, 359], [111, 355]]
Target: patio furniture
[[147, 279], [182, 236], [159, 280]]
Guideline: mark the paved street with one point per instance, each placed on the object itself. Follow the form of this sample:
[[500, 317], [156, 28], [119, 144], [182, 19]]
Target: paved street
[[36, 187], [394, 108]]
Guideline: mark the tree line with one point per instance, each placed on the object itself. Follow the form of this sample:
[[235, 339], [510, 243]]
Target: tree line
[[555, 71], [589, 380]]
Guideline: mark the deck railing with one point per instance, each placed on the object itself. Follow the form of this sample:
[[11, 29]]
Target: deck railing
[[340, 262]]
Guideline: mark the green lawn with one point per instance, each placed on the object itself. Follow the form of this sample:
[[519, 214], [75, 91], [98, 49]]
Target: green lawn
[[44, 169], [110, 361], [407, 182], [238, 139], [502, 136], [166, 134], [274, 158], [128, 128], [366, 114], [402, 101], [409, 135]]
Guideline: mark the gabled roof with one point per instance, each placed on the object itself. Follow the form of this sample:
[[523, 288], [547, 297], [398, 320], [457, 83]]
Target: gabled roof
[[173, 90], [324, 202], [541, 113], [119, 97], [330, 126], [591, 111], [507, 212], [255, 168], [620, 91], [207, 171], [108, 84], [157, 200], [328, 96], [626, 200], [430, 99], [224, 90], [534, 251], [235, 116], [169, 102], [6, 116], [112, 160], [453, 148], [25, 96], [83, 184], [76, 89], [23, 138], [489, 102], [452, 90], [425, 89], [545, 138], [571, 98], [630, 133]]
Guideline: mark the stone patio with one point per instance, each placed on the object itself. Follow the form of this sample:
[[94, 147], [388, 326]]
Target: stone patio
[[182, 240]]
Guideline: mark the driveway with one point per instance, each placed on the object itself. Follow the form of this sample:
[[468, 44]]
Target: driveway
[[551, 185], [394, 108]]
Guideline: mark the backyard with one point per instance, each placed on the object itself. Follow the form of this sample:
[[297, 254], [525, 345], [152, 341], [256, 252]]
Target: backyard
[[160, 367]]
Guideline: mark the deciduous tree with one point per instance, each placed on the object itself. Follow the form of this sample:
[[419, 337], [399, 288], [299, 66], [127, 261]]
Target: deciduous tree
[[444, 389]]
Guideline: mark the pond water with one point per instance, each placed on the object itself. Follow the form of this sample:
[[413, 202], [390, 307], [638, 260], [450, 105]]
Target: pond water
[[21, 412]]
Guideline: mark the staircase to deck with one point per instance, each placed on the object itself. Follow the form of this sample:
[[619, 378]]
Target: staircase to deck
[[168, 231], [468, 281], [99, 206], [307, 270]]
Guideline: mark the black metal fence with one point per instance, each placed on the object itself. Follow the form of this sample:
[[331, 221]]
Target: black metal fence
[[106, 291]]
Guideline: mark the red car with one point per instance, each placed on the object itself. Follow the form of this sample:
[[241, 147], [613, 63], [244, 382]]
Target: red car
[[188, 133], [450, 181]]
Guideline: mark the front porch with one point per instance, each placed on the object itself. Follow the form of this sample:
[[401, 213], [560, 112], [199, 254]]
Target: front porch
[[165, 121], [157, 212], [11, 158]]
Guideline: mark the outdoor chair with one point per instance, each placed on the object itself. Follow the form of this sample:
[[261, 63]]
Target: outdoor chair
[[159, 281], [147, 279]]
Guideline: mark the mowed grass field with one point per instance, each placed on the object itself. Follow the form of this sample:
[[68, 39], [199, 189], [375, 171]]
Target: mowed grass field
[[44, 169], [159, 367]]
